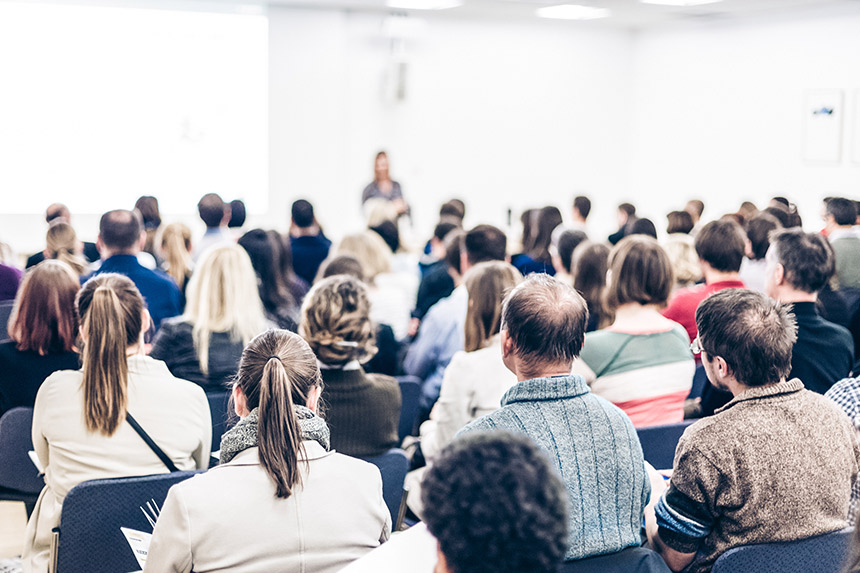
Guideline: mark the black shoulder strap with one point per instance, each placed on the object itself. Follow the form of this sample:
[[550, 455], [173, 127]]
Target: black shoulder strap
[[152, 445]]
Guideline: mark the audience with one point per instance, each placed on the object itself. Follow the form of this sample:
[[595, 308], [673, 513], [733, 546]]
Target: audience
[[626, 218], [776, 464], [309, 245], [798, 266], [590, 263], [695, 208], [147, 206], [581, 210], [681, 250], [642, 361], [720, 246], [120, 239], [59, 212], [237, 216], [281, 307], [839, 219], [175, 253], [79, 420], [643, 227], [441, 334], [215, 214], [437, 278], [62, 244], [562, 253], [10, 279], [754, 266], [536, 257], [679, 222], [43, 328], [284, 257], [286, 502], [222, 315], [363, 410], [591, 442]]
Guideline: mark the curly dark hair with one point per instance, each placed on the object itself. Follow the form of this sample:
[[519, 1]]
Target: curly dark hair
[[495, 503]]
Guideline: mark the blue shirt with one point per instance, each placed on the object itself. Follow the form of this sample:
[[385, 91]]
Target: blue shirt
[[160, 293]]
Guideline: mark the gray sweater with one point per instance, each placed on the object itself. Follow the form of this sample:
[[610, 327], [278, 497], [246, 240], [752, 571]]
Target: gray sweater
[[596, 450]]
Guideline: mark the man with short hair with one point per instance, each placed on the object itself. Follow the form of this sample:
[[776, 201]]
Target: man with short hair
[[309, 245], [581, 209], [59, 212], [216, 214], [775, 464], [798, 266], [121, 237], [839, 219], [441, 334], [721, 246], [590, 441]]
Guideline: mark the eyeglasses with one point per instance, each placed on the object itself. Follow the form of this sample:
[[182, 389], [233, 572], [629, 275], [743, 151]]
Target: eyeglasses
[[696, 346]]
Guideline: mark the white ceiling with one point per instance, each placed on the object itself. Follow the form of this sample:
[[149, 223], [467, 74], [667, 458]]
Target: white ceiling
[[625, 13]]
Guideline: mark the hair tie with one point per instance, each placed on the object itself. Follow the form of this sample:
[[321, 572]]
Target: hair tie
[[273, 356]]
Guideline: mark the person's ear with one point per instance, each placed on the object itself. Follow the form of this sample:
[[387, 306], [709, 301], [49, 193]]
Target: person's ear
[[779, 274], [314, 398], [146, 321], [240, 402], [100, 246], [507, 344]]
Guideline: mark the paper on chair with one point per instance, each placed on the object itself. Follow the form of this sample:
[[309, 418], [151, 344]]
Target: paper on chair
[[35, 459], [139, 543]]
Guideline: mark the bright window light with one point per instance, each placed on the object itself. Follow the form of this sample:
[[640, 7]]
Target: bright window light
[[680, 2], [424, 4], [102, 105], [573, 12]]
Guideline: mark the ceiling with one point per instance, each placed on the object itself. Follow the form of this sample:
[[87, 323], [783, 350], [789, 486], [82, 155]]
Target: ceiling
[[629, 14]]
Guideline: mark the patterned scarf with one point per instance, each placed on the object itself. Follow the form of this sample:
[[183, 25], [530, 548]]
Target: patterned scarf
[[244, 434]]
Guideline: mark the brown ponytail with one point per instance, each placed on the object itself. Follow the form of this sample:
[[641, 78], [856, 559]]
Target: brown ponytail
[[111, 314], [276, 372]]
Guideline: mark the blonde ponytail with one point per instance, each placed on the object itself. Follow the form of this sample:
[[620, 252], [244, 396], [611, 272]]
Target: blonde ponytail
[[175, 246]]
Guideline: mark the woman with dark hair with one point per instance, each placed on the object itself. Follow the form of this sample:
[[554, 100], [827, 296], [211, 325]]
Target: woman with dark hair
[[536, 256], [642, 363], [284, 255], [562, 254], [643, 227], [83, 419], [147, 206], [42, 328], [265, 253], [589, 279], [285, 500]]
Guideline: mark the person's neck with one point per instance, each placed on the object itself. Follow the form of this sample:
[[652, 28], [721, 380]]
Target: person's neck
[[311, 231], [579, 219], [794, 295], [545, 371], [737, 388], [217, 229], [108, 253], [714, 276], [635, 316]]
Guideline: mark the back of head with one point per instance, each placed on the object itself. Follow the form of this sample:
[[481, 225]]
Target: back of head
[[679, 222], [176, 250], [453, 209], [781, 214], [548, 219], [265, 259], [302, 213], [495, 503], [43, 319], [120, 230], [627, 208], [442, 229], [237, 214], [387, 230], [370, 250], [283, 255], [681, 250], [758, 230], [807, 258], [695, 207], [583, 205], [222, 296], [722, 244], [62, 244], [843, 211], [487, 284], [276, 374], [453, 249], [643, 227], [640, 272], [342, 265], [147, 206], [567, 243], [379, 210], [485, 243], [753, 333], [590, 262], [57, 211], [336, 321], [211, 209], [545, 320], [110, 311]]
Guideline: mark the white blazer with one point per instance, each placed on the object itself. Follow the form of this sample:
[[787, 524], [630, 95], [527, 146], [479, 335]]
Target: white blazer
[[174, 412], [229, 519]]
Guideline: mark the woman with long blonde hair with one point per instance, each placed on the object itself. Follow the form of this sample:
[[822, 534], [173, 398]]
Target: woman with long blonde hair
[[175, 252], [83, 419], [223, 312], [63, 245]]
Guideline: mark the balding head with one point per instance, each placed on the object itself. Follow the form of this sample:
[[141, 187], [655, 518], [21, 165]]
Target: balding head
[[120, 232], [544, 322], [57, 211]]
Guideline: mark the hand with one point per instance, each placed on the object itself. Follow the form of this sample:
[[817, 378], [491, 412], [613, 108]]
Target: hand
[[414, 324]]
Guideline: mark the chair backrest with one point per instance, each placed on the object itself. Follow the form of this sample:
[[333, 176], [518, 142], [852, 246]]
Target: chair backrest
[[659, 443], [218, 409], [5, 314], [630, 560], [93, 512], [410, 394], [826, 553], [16, 469], [393, 466]]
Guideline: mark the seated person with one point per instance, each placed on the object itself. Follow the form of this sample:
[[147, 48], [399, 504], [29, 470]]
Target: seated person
[[642, 361], [222, 315], [309, 245], [775, 464], [362, 410], [59, 212], [537, 238], [281, 500], [278, 300]]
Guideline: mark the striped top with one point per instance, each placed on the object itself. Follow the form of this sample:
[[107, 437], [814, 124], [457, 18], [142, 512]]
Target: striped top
[[596, 450], [648, 375]]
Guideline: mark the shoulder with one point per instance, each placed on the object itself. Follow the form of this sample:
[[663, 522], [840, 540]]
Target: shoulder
[[61, 384], [384, 384], [175, 326]]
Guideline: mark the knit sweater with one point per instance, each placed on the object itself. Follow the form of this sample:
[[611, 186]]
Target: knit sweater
[[596, 450], [362, 411]]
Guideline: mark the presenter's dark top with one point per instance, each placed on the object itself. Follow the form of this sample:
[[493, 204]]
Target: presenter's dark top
[[162, 296], [22, 373], [372, 191], [91, 254]]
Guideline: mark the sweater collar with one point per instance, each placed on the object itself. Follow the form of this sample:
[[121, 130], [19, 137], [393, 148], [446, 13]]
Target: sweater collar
[[539, 389], [758, 392], [804, 308]]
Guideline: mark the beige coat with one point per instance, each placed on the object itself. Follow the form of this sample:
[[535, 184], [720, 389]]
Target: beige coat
[[229, 519], [174, 412]]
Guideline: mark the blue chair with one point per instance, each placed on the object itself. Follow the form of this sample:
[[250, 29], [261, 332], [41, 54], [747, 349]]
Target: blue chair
[[700, 378], [659, 443], [393, 466], [630, 560], [410, 395], [93, 512], [219, 404], [826, 553], [19, 478]]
